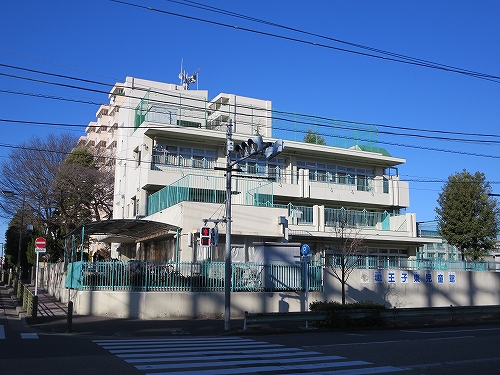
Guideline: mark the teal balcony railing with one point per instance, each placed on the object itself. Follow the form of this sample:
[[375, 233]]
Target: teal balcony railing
[[211, 189], [356, 218]]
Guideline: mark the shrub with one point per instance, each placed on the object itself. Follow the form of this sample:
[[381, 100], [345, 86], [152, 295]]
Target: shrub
[[342, 316]]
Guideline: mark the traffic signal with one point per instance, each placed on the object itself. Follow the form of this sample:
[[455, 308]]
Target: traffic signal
[[252, 146], [214, 236], [274, 149], [205, 236]]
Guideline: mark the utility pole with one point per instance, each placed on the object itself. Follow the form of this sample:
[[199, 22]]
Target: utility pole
[[228, 267], [254, 146]]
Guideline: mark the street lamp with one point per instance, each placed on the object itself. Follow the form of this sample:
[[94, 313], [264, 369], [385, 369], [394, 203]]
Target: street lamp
[[10, 193]]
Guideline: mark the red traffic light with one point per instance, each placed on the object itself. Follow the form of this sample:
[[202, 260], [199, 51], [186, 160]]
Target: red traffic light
[[205, 236]]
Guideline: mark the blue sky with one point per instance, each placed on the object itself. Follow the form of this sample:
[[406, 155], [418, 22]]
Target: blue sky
[[106, 41]]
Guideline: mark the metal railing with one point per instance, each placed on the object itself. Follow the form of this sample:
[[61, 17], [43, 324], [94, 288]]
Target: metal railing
[[191, 276], [393, 262], [26, 298]]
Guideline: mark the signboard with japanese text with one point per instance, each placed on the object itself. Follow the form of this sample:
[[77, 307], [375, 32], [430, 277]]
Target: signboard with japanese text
[[405, 277]]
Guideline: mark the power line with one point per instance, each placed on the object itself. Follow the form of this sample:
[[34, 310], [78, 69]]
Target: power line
[[336, 123], [295, 120], [253, 19], [392, 57], [295, 115], [147, 165]]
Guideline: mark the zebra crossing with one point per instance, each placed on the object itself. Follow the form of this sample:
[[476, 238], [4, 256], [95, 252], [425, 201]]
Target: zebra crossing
[[24, 335], [231, 355]]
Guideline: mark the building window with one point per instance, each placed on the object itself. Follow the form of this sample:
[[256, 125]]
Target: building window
[[260, 166], [359, 178], [184, 156]]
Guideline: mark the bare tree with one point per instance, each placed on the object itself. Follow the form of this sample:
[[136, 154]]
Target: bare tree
[[347, 249], [27, 183], [83, 191]]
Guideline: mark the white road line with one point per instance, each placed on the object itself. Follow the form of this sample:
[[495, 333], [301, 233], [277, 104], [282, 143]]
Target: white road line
[[138, 349], [231, 356], [451, 331], [224, 356], [359, 371], [170, 340], [151, 344], [210, 352], [388, 342], [29, 335], [283, 367], [452, 363]]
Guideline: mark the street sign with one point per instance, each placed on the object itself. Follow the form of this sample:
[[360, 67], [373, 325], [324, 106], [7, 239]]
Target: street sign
[[40, 243], [305, 249], [40, 250]]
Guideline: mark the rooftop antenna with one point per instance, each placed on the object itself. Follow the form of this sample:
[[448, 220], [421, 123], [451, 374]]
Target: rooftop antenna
[[186, 79]]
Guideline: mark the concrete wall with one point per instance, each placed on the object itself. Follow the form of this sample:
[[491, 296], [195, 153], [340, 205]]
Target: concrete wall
[[394, 288]]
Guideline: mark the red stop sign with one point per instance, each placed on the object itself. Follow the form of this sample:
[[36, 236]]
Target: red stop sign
[[40, 243]]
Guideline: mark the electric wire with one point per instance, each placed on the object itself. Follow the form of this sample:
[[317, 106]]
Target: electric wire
[[195, 4], [316, 124], [295, 121], [488, 77], [202, 109]]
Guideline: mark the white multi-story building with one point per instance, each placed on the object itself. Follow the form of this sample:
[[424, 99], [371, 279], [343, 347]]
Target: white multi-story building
[[171, 157]]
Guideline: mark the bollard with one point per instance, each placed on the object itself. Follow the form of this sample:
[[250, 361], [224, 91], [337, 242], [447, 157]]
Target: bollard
[[34, 310], [70, 317]]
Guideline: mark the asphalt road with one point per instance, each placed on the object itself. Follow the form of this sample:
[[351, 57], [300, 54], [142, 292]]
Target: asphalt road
[[121, 346], [439, 351], [457, 350]]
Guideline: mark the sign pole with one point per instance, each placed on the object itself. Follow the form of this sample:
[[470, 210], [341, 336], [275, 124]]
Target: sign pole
[[305, 250], [36, 273], [40, 244]]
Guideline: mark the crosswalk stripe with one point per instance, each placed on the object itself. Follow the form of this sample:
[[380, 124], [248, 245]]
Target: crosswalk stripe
[[292, 351], [195, 358], [281, 363], [29, 335], [172, 341], [356, 371], [220, 356], [189, 349]]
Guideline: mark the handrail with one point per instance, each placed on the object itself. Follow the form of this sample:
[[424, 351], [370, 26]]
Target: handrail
[[26, 298], [415, 312]]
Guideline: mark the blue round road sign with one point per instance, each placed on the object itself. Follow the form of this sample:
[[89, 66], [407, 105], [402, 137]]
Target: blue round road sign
[[305, 249]]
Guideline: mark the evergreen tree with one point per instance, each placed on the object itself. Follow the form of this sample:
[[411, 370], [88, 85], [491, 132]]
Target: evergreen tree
[[314, 137], [467, 215]]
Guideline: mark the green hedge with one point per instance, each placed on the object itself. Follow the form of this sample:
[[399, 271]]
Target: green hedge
[[341, 316]]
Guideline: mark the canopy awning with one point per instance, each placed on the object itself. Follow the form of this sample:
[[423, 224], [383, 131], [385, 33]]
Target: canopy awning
[[127, 230]]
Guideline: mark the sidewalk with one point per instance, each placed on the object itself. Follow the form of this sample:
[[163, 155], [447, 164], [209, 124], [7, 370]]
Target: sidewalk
[[52, 317]]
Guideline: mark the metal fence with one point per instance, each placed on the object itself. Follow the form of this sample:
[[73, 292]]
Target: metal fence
[[392, 262], [191, 276]]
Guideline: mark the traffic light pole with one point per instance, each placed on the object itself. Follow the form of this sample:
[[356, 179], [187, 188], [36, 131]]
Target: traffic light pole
[[254, 146], [228, 266]]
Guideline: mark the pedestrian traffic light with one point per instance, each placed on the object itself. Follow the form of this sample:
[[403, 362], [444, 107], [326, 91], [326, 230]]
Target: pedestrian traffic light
[[214, 240], [205, 235]]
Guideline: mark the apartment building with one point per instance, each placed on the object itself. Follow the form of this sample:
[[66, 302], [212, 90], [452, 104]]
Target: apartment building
[[170, 146]]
